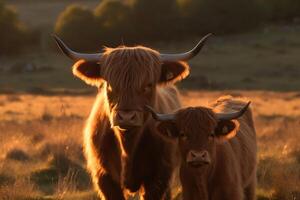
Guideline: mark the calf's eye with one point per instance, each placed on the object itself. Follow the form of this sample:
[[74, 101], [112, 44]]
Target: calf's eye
[[182, 136], [211, 136]]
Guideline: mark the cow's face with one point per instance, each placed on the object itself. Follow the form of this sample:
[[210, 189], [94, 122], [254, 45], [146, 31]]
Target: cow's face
[[130, 77], [198, 131]]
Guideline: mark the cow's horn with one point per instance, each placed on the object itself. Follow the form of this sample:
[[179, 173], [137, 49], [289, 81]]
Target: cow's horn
[[234, 115], [74, 55], [160, 117], [188, 55]]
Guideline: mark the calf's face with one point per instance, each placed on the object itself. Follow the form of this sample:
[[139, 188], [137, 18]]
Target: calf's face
[[198, 130]]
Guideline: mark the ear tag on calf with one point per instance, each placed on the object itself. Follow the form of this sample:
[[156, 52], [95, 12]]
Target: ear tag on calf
[[225, 130]]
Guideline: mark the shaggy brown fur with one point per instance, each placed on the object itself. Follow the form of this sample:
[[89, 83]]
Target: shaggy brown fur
[[136, 158], [231, 172]]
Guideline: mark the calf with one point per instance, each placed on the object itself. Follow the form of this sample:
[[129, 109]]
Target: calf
[[218, 149]]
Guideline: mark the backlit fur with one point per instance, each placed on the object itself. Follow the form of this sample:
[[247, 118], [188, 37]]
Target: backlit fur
[[232, 173], [139, 160]]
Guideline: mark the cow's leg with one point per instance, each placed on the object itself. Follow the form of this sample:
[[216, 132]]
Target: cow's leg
[[155, 191], [109, 189], [157, 188], [250, 190]]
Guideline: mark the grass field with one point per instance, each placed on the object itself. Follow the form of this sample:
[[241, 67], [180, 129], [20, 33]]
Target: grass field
[[41, 151], [43, 107]]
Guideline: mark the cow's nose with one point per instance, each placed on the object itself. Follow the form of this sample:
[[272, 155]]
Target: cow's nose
[[126, 119], [197, 158], [126, 116]]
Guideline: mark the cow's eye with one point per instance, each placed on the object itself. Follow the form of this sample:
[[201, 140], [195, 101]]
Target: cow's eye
[[147, 89]]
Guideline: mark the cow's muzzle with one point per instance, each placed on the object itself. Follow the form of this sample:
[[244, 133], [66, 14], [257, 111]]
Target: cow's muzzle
[[198, 158], [128, 119]]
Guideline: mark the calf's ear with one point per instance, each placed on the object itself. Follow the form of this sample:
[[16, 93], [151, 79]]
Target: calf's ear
[[89, 72], [225, 130], [172, 72], [167, 130]]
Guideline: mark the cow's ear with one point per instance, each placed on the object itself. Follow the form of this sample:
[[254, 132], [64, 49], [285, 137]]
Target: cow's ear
[[172, 72], [89, 72], [226, 130], [167, 130]]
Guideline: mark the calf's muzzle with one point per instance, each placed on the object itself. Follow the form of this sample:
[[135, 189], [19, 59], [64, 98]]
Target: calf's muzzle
[[198, 158]]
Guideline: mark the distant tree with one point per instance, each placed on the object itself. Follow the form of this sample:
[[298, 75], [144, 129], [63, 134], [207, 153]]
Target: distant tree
[[217, 16], [114, 18], [13, 35], [155, 19], [78, 27]]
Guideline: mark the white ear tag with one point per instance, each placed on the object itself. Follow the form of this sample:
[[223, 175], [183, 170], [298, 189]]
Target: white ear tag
[[225, 130]]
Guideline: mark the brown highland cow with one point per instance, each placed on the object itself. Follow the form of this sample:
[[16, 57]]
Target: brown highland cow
[[218, 149], [123, 150]]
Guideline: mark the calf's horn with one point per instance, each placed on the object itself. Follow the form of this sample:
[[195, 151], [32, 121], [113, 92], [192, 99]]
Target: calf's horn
[[75, 55], [233, 115], [187, 55], [160, 117]]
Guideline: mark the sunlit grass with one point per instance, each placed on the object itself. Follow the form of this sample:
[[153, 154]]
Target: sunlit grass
[[42, 148]]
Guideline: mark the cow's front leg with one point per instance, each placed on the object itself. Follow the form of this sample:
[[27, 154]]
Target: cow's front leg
[[158, 189], [109, 189]]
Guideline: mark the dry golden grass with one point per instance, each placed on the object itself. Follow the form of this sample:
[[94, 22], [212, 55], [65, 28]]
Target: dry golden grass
[[40, 143]]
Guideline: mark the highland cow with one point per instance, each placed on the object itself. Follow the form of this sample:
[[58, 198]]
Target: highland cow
[[218, 149], [122, 148]]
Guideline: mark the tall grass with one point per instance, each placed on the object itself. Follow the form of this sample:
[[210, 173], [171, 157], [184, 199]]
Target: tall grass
[[55, 167]]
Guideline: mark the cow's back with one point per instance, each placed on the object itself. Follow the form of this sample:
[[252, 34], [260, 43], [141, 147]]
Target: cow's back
[[243, 145]]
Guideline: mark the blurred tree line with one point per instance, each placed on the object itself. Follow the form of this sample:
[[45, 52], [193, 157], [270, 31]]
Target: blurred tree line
[[135, 21], [14, 36], [113, 22]]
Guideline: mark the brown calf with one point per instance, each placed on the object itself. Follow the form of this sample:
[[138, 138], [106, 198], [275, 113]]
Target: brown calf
[[124, 152], [218, 149]]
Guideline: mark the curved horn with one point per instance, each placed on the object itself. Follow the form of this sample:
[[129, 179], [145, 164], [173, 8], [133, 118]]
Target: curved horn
[[160, 117], [234, 115], [74, 55], [188, 55]]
